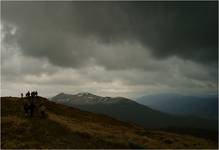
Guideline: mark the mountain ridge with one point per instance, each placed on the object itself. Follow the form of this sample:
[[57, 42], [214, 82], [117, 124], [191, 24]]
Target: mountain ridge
[[128, 110], [90, 98]]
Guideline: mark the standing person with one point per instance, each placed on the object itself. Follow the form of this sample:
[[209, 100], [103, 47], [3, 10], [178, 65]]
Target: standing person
[[26, 107], [28, 94], [36, 93], [31, 107], [22, 95], [32, 94], [42, 110]]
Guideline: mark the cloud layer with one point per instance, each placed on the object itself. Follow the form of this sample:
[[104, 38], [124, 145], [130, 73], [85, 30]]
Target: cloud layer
[[128, 47]]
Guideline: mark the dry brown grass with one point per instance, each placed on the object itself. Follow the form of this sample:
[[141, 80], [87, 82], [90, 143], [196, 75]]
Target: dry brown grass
[[67, 127]]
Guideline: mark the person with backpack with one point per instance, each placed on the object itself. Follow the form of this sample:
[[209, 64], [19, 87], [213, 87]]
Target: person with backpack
[[26, 107], [42, 110], [28, 94], [31, 108]]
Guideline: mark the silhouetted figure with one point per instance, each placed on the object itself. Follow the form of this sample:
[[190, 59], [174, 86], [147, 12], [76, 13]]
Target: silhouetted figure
[[32, 94], [36, 93], [28, 94], [26, 108], [31, 108], [22, 95], [42, 110]]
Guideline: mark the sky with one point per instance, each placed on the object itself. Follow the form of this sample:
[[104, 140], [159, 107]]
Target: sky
[[127, 49]]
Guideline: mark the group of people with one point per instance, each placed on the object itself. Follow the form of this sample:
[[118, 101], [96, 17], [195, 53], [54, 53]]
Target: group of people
[[28, 94], [32, 103]]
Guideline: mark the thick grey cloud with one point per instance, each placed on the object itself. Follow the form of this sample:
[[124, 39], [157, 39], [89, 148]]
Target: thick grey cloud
[[20, 73], [66, 32], [109, 48]]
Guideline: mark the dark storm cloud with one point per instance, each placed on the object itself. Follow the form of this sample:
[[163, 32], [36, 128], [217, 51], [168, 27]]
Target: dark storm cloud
[[185, 29], [68, 33]]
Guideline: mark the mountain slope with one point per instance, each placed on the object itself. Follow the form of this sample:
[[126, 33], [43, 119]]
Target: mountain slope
[[89, 99], [128, 110], [68, 127], [203, 107]]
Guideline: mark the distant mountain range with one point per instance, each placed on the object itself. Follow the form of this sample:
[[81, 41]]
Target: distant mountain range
[[131, 111], [199, 106]]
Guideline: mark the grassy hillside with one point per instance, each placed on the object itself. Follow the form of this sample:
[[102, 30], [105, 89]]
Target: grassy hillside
[[67, 127]]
